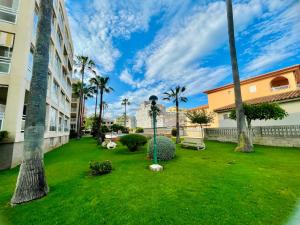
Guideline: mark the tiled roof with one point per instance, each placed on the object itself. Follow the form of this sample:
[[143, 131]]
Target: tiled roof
[[295, 68], [199, 108], [271, 98]]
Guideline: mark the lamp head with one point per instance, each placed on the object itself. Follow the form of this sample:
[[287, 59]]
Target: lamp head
[[153, 99]]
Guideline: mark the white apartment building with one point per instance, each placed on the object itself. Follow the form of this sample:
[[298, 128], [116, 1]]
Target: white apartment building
[[143, 118], [18, 27]]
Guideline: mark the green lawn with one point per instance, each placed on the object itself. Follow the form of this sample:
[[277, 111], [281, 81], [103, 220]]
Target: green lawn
[[215, 186]]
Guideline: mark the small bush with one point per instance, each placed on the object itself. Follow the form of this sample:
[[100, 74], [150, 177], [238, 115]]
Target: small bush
[[165, 148], [100, 168], [139, 130], [174, 132], [3, 134], [133, 141]]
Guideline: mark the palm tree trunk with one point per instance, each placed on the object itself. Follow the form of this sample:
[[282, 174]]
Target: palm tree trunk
[[80, 105], [244, 143], [31, 183], [177, 123], [96, 104], [100, 118]]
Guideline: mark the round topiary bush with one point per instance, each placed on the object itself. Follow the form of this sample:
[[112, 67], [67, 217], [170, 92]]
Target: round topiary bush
[[133, 141], [165, 148]]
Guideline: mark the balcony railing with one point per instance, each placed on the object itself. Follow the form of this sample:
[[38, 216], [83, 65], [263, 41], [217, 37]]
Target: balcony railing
[[23, 123], [278, 88], [4, 64], [8, 14]]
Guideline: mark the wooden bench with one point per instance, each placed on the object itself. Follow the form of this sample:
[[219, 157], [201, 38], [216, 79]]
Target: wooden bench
[[193, 142]]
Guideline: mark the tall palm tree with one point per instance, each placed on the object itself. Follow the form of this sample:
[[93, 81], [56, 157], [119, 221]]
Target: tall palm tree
[[125, 102], [31, 183], [244, 141], [103, 87], [105, 106], [84, 64], [175, 95], [88, 91]]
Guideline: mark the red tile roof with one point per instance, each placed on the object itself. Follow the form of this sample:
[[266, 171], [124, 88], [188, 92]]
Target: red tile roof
[[295, 68], [199, 108], [271, 98]]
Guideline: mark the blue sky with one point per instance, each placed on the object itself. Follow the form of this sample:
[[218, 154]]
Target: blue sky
[[149, 46]]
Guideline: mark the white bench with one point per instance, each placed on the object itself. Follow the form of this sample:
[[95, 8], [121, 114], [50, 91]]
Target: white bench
[[193, 142]]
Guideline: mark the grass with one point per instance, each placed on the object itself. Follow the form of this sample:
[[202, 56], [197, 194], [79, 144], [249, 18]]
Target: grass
[[215, 186]]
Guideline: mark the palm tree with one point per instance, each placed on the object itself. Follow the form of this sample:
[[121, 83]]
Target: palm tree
[[102, 85], [175, 95], [31, 183], [83, 64], [105, 106], [244, 142], [125, 102], [88, 91]]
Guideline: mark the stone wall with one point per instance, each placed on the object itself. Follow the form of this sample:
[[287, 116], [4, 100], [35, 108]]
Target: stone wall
[[285, 136]]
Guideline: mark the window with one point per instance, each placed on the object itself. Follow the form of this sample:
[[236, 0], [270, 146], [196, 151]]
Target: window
[[252, 89], [66, 124], [59, 39], [30, 65], [35, 23], [62, 99], [55, 91], [6, 49], [279, 83], [226, 116], [58, 65], [53, 119], [8, 10], [60, 122], [51, 49], [1, 120]]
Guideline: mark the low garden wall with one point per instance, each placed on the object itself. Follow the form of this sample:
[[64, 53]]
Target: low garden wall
[[285, 136]]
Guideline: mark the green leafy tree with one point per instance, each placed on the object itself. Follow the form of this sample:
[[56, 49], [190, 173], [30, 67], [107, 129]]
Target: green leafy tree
[[125, 102], [265, 111], [84, 64], [201, 117], [244, 142], [175, 95], [31, 183]]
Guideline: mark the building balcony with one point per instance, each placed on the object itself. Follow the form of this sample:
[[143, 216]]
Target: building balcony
[[5, 65], [282, 87], [8, 14]]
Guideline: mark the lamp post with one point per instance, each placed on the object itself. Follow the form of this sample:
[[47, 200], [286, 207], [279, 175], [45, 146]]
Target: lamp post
[[155, 166]]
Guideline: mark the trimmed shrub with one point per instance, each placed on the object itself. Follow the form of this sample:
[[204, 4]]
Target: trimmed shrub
[[100, 168], [165, 148], [3, 134], [139, 130], [174, 132], [133, 141]]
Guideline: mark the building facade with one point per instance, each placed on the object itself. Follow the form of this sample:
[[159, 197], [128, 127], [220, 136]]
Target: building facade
[[281, 86], [130, 121], [18, 28]]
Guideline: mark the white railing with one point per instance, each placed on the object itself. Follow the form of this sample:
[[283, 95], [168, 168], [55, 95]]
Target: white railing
[[5, 64], [280, 87], [8, 14], [23, 123]]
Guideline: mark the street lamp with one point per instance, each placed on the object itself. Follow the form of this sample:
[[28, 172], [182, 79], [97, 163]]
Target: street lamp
[[154, 110]]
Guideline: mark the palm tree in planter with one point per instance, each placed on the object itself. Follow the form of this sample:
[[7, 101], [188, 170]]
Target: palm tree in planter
[[244, 141], [175, 95], [84, 64], [125, 102], [103, 86], [31, 183]]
